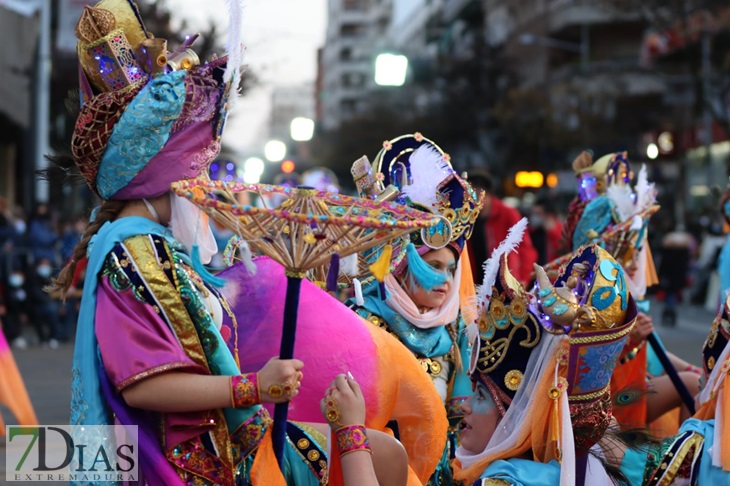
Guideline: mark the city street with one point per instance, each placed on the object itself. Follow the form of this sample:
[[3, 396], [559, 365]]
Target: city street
[[47, 372]]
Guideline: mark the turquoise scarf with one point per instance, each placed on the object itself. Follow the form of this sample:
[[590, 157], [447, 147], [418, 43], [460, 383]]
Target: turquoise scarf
[[429, 343]]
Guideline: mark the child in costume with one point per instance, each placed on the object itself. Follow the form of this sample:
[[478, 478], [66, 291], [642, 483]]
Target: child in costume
[[541, 366], [151, 349], [607, 199], [420, 302]]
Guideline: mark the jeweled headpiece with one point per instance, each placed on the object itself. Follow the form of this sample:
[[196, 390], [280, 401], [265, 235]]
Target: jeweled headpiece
[[594, 177], [590, 299], [417, 172], [149, 117], [508, 332]]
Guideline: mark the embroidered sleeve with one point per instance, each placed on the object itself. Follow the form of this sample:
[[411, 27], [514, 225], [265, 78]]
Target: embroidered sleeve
[[134, 338]]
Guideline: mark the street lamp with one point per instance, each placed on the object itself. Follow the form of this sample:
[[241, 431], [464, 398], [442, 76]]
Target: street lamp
[[253, 167], [652, 151], [391, 69], [275, 150], [302, 129]]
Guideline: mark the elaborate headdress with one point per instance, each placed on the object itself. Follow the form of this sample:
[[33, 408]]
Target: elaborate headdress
[[414, 170], [548, 358], [508, 328], [591, 296], [595, 177], [148, 117]]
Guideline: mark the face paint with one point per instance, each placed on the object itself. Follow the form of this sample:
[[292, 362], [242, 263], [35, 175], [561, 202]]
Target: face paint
[[481, 401]]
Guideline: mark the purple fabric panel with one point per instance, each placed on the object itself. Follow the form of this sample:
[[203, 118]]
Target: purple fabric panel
[[133, 338], [330, 339], [154, 468], [185, 155]]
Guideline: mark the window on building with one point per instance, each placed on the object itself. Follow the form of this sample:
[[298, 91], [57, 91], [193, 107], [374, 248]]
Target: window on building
[[355, 5], [352, 30]]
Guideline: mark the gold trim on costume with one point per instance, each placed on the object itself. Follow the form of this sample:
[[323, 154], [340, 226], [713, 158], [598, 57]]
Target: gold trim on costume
[[602, 337], [144, 255], [676, 461], [151, 372]]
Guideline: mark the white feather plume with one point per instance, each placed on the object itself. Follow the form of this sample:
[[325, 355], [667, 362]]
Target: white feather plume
[[645, 192], [491, 266], [472, 331], [428, 171], [623, 199], [234, 47]]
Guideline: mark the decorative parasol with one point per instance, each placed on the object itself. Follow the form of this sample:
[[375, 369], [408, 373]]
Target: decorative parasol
[[308, 230]]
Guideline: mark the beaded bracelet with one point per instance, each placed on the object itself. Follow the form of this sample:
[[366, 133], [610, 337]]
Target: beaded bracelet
[[631, 354], [352, 439], [245, 390]]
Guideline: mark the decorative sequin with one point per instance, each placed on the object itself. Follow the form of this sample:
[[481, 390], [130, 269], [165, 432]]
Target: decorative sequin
[[512, 379]]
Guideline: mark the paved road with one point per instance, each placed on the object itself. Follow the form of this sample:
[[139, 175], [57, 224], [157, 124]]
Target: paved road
[[47, 372]]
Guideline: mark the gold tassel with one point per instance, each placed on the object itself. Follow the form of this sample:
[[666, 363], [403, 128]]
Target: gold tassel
[[381, 267]]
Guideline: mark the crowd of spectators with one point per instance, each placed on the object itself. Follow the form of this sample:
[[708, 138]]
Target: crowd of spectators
[[33, 249]]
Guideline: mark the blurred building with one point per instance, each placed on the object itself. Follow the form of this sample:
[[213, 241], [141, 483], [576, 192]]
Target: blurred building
[[287, 103], [19, 27], [355, 32], [39, 69]]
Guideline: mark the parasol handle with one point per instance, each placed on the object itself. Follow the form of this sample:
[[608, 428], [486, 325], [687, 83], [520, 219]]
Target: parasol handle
[[581, 468], [672, 373], [286, 351]]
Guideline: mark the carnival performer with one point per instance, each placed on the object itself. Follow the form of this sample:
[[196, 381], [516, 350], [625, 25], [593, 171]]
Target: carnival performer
[[700, 452], [642, 391], [541, 365], [150, 348], [420, 302]]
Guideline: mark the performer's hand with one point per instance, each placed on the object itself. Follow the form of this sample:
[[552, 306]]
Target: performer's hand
[[280, 379], [642, 329], [343, 403]]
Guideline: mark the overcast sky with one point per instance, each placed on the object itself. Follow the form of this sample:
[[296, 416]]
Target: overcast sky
[[281, 38]]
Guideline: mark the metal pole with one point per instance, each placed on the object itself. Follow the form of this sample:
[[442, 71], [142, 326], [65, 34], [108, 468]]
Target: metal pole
[[42, 98]]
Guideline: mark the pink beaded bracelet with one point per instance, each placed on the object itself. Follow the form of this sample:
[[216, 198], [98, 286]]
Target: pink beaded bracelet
[[245, 390], [352, 439]]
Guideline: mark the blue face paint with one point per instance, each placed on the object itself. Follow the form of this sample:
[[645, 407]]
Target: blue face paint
[[481, 401], [421, 273]]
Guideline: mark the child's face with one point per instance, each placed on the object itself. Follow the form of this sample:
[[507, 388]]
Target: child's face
[[442, 260], [480, 420]]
